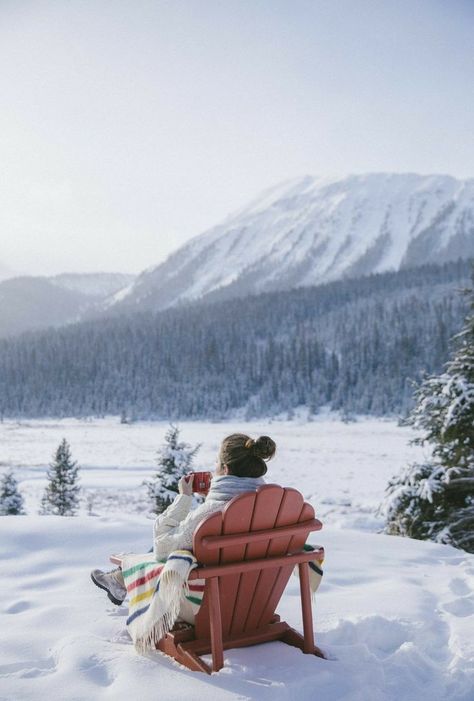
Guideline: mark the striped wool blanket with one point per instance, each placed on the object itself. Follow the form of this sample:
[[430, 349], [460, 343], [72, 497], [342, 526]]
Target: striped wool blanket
[[315, 569], [156, 590]]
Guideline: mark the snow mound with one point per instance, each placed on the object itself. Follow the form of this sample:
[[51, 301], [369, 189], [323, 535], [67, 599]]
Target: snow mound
[[393, 615]]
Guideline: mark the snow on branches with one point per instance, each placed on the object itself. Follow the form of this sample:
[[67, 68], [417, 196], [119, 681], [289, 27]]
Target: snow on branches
[[435, 500], [11, 501], [61, 496], [175, 459]]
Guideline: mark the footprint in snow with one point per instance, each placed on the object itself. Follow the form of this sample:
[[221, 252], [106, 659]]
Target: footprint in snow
[[29, 669], [97, 671], [459, 587], [18, 607], [461, 608]]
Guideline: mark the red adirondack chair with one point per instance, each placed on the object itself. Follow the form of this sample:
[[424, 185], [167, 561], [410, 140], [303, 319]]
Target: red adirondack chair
[[246, 554]]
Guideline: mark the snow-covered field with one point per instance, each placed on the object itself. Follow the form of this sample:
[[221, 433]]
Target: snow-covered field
[[395, 616]]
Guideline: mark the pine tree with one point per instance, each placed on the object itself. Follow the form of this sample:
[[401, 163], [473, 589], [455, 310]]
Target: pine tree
[[11, 501], [175, 459], [435, 500], [61, 496]]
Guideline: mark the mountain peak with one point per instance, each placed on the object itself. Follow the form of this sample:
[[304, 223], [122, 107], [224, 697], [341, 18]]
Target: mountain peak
[[314, 229]]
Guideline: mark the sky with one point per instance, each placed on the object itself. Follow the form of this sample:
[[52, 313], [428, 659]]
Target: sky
[[129, 126]]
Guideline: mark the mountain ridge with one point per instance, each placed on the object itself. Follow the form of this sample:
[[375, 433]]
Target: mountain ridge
[[312, 230]]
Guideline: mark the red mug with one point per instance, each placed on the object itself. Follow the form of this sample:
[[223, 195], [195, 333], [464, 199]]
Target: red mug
[[201, 482]]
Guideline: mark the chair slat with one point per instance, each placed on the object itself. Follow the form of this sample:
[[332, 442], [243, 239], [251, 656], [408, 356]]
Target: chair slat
[[267, 506], [294, 543], [235, 519], [248, 581], [272, 583], [212, 525]]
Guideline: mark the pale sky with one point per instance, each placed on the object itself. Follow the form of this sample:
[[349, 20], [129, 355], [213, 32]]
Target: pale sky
[[129, 126]]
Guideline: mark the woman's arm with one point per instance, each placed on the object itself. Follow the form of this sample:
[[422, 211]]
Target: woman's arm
[[179, 537], [166, 529], [173, 515]]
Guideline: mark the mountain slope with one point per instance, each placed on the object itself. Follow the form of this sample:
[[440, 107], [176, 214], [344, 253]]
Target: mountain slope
[[316, 230]]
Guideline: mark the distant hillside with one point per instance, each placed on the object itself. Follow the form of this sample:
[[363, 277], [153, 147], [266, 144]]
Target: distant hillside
[[5, 272], [34, 302], [315, 230], [354, 345], [29, 303]]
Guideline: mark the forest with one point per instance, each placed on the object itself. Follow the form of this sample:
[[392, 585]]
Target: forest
[[356, 345]]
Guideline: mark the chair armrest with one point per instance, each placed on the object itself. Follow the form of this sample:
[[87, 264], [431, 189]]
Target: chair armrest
[[116, 559], [205, 572]]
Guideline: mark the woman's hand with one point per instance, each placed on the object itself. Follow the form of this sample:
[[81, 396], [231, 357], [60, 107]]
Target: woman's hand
[[185, 485]]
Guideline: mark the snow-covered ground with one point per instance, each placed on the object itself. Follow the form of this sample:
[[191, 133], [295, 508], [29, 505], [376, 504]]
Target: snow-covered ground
[[395, 616]]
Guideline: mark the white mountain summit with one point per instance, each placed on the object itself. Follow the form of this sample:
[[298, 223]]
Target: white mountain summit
[[314, 230]]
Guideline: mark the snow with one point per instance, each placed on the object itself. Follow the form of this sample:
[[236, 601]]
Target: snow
[[93, 284], [393, 615]]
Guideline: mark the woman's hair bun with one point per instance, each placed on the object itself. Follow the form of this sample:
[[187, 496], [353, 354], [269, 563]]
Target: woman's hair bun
[[264, 447]]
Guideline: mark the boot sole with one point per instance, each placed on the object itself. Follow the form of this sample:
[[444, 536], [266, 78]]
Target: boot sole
[[117, 602]]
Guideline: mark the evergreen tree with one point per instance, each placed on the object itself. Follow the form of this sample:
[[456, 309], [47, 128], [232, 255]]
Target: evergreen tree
[[435, 500], [352, 345], [175, 459], [61, 496], [11, 501]]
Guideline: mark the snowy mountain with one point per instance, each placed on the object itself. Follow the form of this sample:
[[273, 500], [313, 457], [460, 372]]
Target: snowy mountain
[[314, 230], [30, 303]]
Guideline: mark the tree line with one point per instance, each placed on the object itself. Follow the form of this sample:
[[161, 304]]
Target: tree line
[[355, 345]]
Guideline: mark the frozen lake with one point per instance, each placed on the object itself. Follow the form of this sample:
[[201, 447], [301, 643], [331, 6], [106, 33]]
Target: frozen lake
[[341, 468]]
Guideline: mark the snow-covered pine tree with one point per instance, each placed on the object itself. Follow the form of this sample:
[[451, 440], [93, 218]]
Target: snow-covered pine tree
[[61, 496], [175, 459], [11, 501], [435, 500]]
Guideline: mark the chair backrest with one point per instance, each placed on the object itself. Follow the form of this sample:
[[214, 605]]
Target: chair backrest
[[248, 600]]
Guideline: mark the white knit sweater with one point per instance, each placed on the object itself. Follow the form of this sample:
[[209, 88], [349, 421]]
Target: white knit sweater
[[174, 528]]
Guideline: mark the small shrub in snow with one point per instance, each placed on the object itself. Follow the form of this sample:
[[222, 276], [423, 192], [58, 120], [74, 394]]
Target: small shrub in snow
[[11, 501], [61, 496], [175, 459], [435, 500]]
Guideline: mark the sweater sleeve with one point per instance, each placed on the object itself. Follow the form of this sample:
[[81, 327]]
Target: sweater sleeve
[[170, 534], [176, 512]]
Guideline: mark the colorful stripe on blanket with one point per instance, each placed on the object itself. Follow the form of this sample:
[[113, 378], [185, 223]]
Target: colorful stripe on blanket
[[156, 590], [315, 569]]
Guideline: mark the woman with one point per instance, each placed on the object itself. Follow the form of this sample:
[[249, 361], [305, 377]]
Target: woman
[[240, 468]]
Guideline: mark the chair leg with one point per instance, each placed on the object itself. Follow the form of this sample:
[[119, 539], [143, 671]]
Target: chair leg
[[216, 625], [306, 608], [292, 637]]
